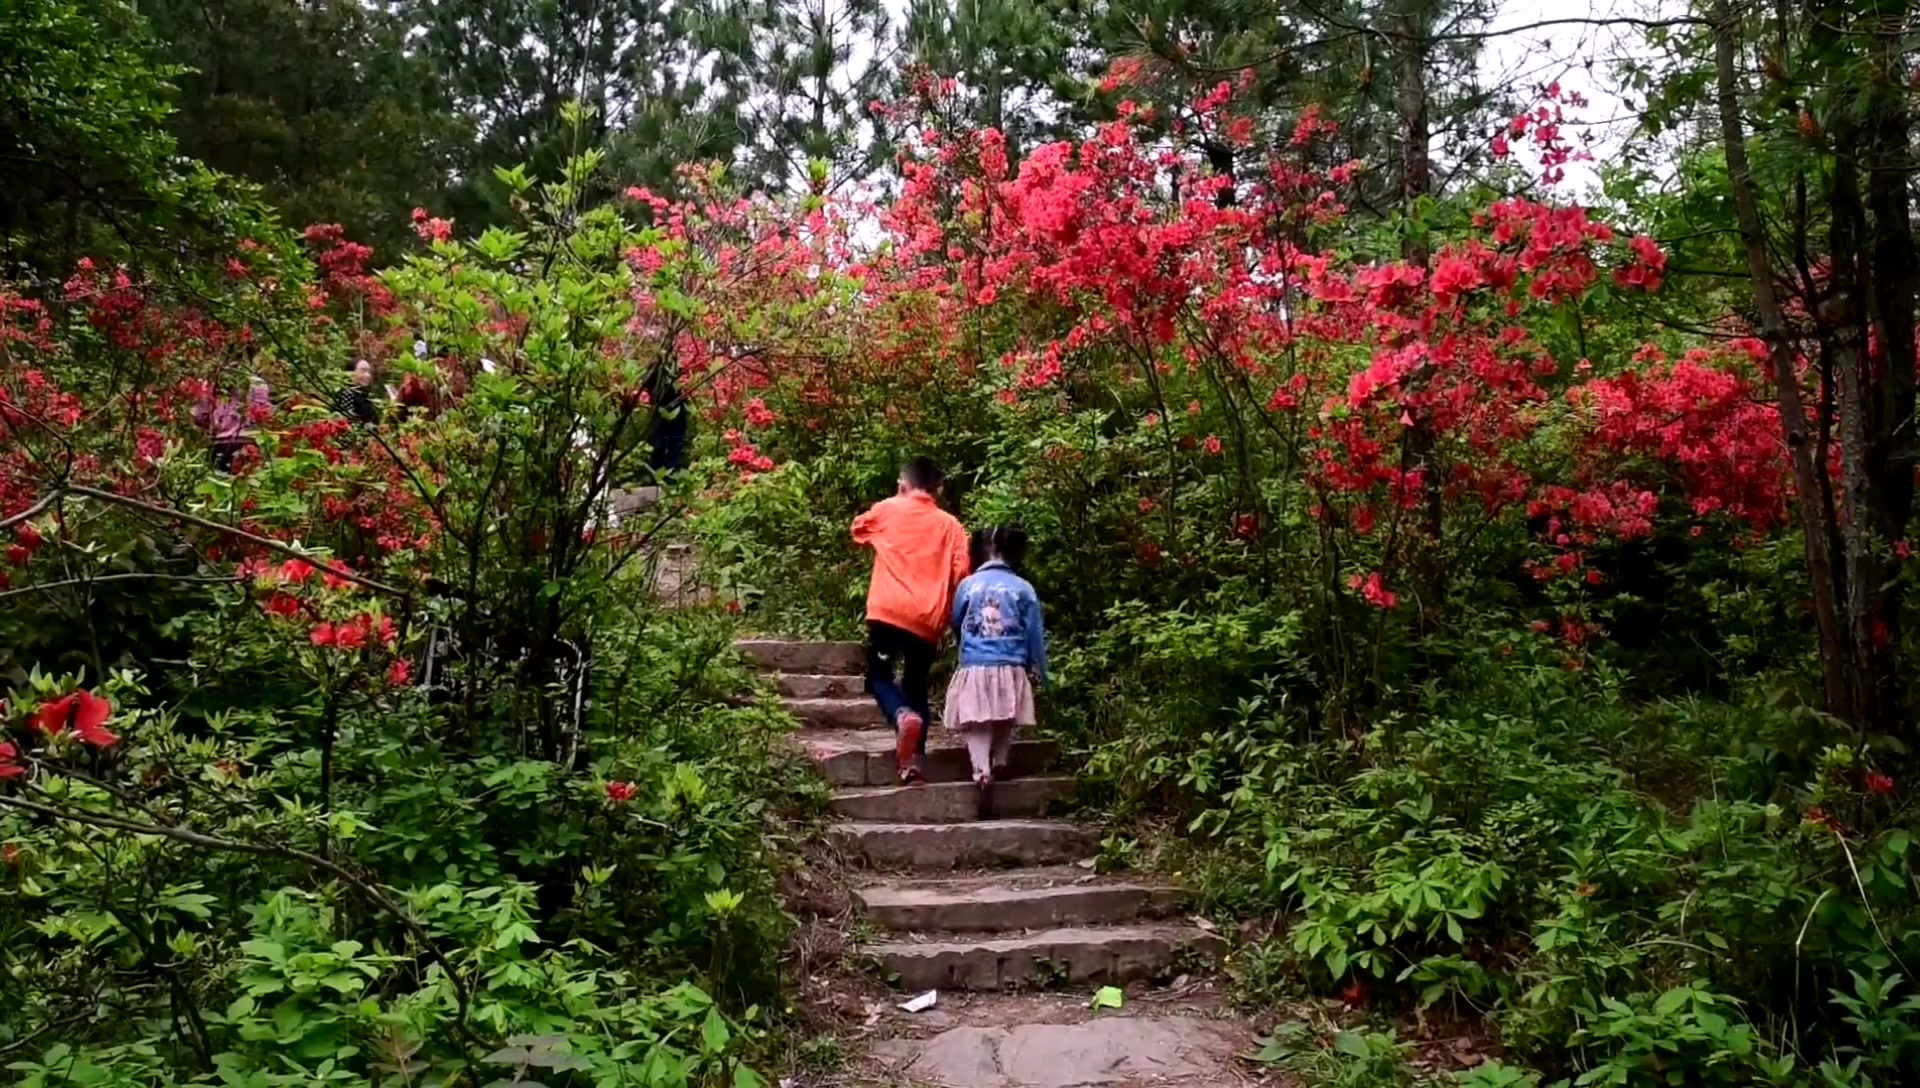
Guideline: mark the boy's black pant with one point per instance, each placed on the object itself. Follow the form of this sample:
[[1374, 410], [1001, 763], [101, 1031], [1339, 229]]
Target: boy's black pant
[[889, 649]]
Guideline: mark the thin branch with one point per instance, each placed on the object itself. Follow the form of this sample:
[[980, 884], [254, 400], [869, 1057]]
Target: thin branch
[[339, 570], [1352, 30], [41, 587], [33, 511]]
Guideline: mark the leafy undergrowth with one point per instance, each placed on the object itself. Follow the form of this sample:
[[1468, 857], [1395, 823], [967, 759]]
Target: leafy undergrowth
[[616, 921], [1610, 892]]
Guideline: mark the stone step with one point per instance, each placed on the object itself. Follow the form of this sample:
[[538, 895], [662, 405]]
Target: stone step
[[1013, 900], [800, 685], [859, 712], [866, 758], [1047, 958], [949, 802], [1007, 1047], [785, 655], [983, 843]]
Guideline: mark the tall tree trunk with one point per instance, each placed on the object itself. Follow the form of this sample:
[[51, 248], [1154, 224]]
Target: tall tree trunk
[[1411, 28], [1410, 102], [1891, 288], [1876, 378], [1781, 360], [1842, 323]]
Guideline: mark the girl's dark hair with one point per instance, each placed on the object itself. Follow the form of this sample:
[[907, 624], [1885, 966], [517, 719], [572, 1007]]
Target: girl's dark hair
[[1007, 543]]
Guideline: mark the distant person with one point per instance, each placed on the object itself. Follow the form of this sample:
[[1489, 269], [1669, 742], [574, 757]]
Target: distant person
[[919, 558], [229, 421], [667, 424], [1003, 654], [355, 399], [418, 398]]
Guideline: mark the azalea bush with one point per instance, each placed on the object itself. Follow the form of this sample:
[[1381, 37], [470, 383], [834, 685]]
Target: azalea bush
[[1444, 609], [352, 753]]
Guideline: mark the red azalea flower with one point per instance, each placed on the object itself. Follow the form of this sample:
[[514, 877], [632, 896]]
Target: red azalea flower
[[1354, 994], [322, 634], [352, 635], [17, 555], [335, 580], [296, 571], [30, 537], [283, 605], [1879, 783], [619, 793], [399, 672], [1818, 817], [83, 712], [1374, 590], [10, 761]]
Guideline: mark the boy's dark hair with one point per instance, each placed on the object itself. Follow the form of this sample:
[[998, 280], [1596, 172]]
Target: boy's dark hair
[[1007, 543], [922, 474]]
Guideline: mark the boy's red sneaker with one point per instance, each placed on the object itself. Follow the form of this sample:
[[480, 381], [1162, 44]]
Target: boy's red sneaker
[[906, 745]]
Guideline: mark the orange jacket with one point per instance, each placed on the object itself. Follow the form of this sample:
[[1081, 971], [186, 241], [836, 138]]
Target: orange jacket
[[919, 557]]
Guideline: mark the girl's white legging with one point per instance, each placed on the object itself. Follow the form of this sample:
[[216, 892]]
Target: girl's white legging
[[988, 744]]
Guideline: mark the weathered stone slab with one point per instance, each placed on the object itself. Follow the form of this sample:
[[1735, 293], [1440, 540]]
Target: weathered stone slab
[[866, 758], [950, 846], [1007, 902], [1047, 958], [949, 802], [859, 712], [821, 685], [785, 655], [1108, 1051]]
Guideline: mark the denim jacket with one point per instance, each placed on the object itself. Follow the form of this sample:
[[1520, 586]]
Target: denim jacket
[[996, 614]]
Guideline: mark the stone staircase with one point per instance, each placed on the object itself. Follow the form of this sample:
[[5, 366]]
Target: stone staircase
[[969, 903]]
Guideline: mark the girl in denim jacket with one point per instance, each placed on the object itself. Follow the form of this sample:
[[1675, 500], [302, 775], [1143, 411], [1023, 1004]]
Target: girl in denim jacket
[[1003, 652]]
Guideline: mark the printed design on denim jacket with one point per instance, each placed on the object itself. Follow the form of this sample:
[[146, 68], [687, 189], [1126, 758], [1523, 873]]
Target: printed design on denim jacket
[[994, 612]]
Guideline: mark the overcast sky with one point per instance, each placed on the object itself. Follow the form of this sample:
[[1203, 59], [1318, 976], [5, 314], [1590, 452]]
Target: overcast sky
[[1528, 58], [1562, 52]]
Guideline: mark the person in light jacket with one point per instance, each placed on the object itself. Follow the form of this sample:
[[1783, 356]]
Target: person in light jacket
[[229, 421], [1003, 654]]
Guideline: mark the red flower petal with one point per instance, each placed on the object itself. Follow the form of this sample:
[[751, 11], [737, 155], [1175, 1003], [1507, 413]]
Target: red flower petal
[[51, 718], [91, 713]]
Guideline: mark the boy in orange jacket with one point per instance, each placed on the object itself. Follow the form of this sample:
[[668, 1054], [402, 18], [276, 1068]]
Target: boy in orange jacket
[[919, 557]]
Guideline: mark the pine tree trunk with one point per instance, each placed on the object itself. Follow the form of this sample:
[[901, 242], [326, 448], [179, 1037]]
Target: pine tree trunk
[[1786, 379]]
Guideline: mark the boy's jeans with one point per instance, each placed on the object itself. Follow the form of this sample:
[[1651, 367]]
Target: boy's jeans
[[889, 647]]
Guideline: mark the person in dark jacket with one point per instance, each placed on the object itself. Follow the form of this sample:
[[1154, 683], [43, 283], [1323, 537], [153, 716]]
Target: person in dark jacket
[[667, 425], [355, 399]]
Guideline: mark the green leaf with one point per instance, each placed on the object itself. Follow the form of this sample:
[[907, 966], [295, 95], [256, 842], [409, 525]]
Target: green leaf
[[1672, 1001], [1351, 1043], [714, 1033], [1109, 997]]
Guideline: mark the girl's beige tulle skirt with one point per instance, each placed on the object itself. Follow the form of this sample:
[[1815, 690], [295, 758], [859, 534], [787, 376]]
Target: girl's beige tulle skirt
[[983, 695]]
